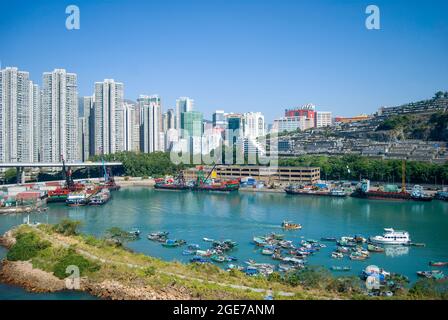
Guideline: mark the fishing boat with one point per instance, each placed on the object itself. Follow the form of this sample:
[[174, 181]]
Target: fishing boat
[[432, 274], [339, 268], [218, 258], [417, 244], [160, 236], [198, 259], [329, 239], [231, 258], [135, 232], [188, 252], [171, 243], [203, 253], [337, 255], [357, 257], [438, 264], [373, 248], [193, 246], [267, 252], [392, 237], [259, 241], [288, 225], [208, 240]]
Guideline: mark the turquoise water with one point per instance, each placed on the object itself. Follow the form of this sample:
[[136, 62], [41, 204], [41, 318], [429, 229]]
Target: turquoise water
[[240, 216]]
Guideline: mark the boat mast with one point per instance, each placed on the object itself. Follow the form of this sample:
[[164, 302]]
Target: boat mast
[[403, 176]]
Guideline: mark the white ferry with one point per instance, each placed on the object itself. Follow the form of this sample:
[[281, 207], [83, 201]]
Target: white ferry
[[390, 236]]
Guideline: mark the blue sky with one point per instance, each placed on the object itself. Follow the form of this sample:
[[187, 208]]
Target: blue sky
[[238, 55]]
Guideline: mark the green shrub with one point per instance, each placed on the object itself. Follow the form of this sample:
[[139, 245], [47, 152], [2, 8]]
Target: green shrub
[[71, 258], [27, 246], [429, 289], [67, 227], [311, 277], [149, 271]]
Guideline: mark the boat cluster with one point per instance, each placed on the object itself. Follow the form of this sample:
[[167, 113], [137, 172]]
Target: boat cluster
[[353, 247], [162, 237], [216, 253], [291, 257]]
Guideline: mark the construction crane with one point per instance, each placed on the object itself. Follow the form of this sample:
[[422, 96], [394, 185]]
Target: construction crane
[[67, 175]]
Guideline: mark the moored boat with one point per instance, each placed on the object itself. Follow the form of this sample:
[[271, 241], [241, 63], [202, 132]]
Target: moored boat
[[373, 248], [160, 236], [432, 274], [392, 237], [100, 198], [438, 264]]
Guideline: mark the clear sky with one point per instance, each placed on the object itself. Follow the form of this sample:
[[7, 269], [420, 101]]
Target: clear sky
[[238, 55]]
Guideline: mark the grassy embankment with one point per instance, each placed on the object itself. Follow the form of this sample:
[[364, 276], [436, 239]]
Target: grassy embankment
[[53, 248]]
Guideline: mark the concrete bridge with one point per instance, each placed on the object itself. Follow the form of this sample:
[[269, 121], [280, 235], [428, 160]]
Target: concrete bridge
[[20, 166]]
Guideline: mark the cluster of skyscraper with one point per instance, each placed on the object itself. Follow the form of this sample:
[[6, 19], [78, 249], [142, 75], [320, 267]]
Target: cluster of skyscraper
[[48, 123]]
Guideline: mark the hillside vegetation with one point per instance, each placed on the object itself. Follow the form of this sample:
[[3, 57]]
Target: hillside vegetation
[[432, 127]]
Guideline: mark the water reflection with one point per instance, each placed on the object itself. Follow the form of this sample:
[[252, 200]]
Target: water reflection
[[395, 251]]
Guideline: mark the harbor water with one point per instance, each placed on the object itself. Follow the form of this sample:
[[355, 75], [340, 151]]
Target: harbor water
[[240, 216]]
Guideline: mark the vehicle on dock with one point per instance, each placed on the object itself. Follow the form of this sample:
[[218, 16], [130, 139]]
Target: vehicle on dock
[[288, 225], [391, 237]]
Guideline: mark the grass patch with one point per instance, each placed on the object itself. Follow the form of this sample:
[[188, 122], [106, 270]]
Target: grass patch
[[27, 246]]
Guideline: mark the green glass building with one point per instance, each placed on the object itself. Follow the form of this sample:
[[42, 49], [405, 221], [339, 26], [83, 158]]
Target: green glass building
[[191, 124]]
